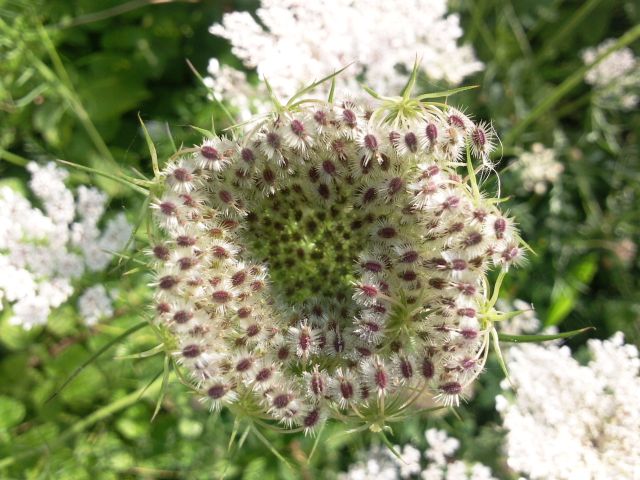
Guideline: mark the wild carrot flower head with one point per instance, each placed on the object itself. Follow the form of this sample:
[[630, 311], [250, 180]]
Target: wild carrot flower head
[[331, 262]]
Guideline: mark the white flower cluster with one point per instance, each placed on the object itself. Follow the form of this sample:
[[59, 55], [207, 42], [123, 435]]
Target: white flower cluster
[[441, 464], [573, 421], [94, 304], [538, 168], [295, 41], [42, 251], [616, 79]]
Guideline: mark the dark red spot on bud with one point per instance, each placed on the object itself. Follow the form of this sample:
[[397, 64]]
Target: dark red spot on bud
[[451, 388], [244, 312], [374, 267], [191, 351], [431, 131], [370, 291], [220, 252], [168, 282], [238, 278], [458, 264], [185, 263], [409, 276], [297, 127], [225, 196], [406, 369], [381, 379], [283, 353], [264, 375], [411, 141], [320, 117], [247, 155], [268, 176], [346, 389], [221, 296], [273, 139], [323, 191], [409, 257], [370, 142], [312, 418], [329, 167], [467, 312], [304, 341], [395, 185], [474, 238], [349, 117], [210, 153], [469, 333], [217, 391], [316, 384], [427, 368], [253, 330], [479, 137], [185, 241], [182, 175], [387, 232], [244, 364], [466, 288], [456, 121], [282, 400], [369, 195], [500, 226], [161, 252], [182, 316], [168, 208], [163, 307]]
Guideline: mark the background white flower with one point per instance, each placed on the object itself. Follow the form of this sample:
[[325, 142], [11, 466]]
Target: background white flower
[[43, 251], [302, 41], [569, 420]]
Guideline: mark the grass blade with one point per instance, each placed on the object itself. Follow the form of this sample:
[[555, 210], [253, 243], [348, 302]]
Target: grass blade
[[93, 357]]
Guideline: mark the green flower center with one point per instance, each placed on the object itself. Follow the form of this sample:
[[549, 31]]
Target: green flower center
[[309, 246]]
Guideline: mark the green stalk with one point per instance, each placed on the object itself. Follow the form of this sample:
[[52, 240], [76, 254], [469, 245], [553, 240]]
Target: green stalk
[[13, 158], [565, 87]]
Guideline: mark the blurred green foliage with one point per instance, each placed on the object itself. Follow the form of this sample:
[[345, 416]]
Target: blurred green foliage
[[73, 77]]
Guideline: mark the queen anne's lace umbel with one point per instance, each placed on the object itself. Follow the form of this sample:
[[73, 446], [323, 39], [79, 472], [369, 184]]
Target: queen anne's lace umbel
[[331, 261]]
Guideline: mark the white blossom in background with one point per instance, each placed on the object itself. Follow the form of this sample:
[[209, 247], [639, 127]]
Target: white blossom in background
[[572, 421], [616, 79], [437, 463], [538, 168], [309, 40], [95, 304], [44, 250]]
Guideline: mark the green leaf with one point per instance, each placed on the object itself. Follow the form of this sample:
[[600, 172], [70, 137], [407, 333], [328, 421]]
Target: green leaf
[[310, 87], [93, 357], [408, 88], [203, 132], [445, 93], [151, 147], [371, 92], [131, 183], [566, 291], [12, 412], [504, 337]]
